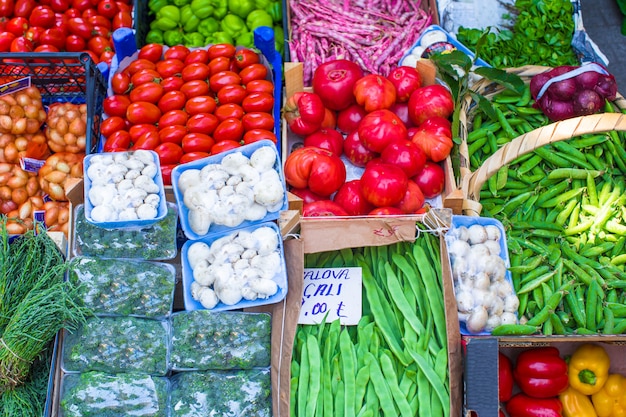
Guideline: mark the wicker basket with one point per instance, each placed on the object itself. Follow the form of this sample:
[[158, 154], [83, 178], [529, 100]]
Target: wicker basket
[[465, 200]]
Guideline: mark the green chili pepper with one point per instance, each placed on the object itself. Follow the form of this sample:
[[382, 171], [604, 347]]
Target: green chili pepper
[[258, 18], [167, 18], [194, 39], [233, 25], [241, 8], [189, 21], [219, 37], [202, 8], [208, 26], [180, 3], [155, 5], [154, 36], [245, 39], [275, 9], [173, 37]]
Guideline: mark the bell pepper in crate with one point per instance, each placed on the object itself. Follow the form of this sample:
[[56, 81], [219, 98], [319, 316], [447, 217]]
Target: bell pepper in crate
[[221, 8], [234, 25], [188, 20], [245, 39], [610, 401], [167, 18], [241, 8], [505, 377], [208, 26], [173, 37], [219, 37], [156, 5], [202, 8], [577, 404], [193, 40], [258, 18], [522, 405], [541, 372], [155, 36], [589, 368], [180, 3]]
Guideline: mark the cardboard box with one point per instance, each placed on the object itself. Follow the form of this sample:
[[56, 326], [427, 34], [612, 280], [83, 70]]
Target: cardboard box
[[481, 363]]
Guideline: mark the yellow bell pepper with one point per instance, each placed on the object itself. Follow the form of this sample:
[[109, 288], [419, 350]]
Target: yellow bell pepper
[[610, 401], [576, 404], [588, 368]]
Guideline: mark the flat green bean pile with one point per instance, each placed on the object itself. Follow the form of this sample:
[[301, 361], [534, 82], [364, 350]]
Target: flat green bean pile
[[395, 361], [563, 208]]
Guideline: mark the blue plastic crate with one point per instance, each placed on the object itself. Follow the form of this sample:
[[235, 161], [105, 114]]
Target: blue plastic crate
[[62, 77]]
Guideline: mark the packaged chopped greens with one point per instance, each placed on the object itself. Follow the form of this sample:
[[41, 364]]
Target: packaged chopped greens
[[117, 344], [242, 393], [97, 394], [204, 340], [154, 242], [124, 286]]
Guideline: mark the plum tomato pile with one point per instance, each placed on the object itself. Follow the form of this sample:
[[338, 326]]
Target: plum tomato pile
[[63, 25], [393, 128], [189, 104]]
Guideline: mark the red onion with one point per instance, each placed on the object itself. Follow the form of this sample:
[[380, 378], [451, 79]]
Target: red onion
[[587, 80], [555, 109], [563, 90], [536, 82], [587, 102], [607, 87]]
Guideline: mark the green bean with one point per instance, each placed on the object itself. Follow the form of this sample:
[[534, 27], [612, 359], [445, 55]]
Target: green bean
[[557, 324], [391, 378], [349, 372], [609, 321], [315, 374], [575, 309], [550, 305], [381, 388], [293, 394], [340, 398], [303, 381], [435, 382], [552, 157], [362, 379], [514, 330], [423, 395]]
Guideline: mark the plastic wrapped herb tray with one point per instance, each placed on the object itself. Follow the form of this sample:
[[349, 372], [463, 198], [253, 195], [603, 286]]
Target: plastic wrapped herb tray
[[235, 188], [98, 394], [125, 287], [234, 269], [124, 189], [154, 242], [221, 393], [483, 287], [204, 340], [118, 344]]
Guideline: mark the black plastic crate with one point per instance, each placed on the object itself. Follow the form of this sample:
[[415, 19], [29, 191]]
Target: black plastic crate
[[62, 77]]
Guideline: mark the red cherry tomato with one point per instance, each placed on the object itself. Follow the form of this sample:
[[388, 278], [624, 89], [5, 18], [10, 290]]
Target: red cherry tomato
[[117, 141], [218, 64], [224, 145], [144, 76], [197, 56], [229, 129], [172, 83], [143, 112], [193, 156], [151, 51], [111, 125], [177, 52], [256, 135], [195, 71], [120, 83], [53, 36], [5, 41], [138, 130], [257, 120], [23, 8], [253, 72], [169, 153], [195, 88], [221, 49], [122, 20], [200, 104], [245, 57], [232, 93], [150, 92], [80, 27], [222, 78], [107, 8], [116, 105], [147, 141], [173, 117], [42, 16], [202, 123], [99, 44], [74, 43], [59, 6], [139, 64], [260, 86], [227, 111], [169, 67], [172, 100], [17, 26], [197, 142], [173, 134], [258, 102]]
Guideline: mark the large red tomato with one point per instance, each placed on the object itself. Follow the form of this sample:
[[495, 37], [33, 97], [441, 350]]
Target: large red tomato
[[374, 92], [334, 81], [428, 101], [431, 179], [304, 113], [306, 195], [355, 151], [405, 80], [351, 199], [316, 169], [324, 138], [383, 184], [406, 155], [349, 118], [434, 137], [379, 128], [323, 208], [413, 199]]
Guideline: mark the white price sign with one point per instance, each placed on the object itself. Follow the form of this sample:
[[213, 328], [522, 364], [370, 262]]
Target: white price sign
[[331, 292]]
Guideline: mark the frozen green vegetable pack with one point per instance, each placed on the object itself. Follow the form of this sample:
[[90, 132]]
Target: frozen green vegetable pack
[[204, 340], [97, 394], [125, 287], [242, 393], [117, 344]]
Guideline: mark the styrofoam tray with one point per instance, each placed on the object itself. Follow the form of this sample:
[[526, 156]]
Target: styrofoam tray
[[246, 150], [280, 278]]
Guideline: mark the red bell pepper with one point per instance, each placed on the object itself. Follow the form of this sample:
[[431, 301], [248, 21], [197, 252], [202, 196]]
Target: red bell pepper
[[505, 377], [521, 405], [541, 372]]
